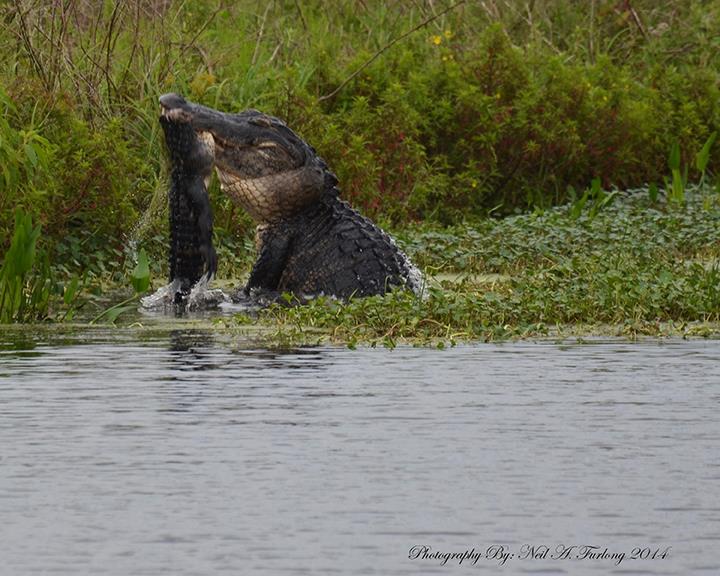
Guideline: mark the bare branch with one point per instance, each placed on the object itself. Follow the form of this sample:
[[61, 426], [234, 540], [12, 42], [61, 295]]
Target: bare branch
[[261, 32], [388, 45], [636, 19], [302, 18]]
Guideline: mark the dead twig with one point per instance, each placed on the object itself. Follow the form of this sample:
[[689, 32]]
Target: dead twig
[[388, 45], [261, 32], [636, 19], [191, 44], [136, 36], [109, 49], [529, 22], [275, 52], [33, 54], [302, 18]]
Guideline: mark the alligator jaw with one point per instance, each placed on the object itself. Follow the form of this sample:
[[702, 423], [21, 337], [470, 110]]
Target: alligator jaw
[[221, 125], [262, 165], [175, 108]]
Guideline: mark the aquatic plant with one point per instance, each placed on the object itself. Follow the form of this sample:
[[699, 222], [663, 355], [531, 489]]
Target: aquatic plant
[[676, 185], [140, 281], [702, 158], [632, 267], [594, 197], [18, 298], [27, 285]]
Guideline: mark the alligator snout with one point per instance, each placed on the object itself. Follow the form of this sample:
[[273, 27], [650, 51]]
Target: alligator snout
[[175, 107], [172, 100]]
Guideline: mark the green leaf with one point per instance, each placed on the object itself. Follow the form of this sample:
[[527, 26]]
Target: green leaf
[[674, 158], [71, 290], [703, 157], [653, 192], [677, 191], [141, 274], [112, 314], [31, 154]]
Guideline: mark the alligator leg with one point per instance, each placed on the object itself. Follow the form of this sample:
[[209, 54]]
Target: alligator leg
[[273, 251]]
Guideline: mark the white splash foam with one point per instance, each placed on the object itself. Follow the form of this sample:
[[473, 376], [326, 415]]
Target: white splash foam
[[200, 297], [415, 279], [162, 297]]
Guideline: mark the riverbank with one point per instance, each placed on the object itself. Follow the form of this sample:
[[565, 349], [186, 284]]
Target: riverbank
[[611, 264], [621, 264]]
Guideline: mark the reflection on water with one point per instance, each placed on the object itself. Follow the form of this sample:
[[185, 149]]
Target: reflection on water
[[181, 453]]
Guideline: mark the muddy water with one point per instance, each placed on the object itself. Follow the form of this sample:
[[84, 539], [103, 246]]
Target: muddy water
[[180, 452]]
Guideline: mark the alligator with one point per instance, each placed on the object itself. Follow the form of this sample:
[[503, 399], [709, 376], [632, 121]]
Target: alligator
[[309, 241], [192, 255]]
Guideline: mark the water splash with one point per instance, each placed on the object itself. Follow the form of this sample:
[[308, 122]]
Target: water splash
[[157, 208], [200, 297], [162, 297]]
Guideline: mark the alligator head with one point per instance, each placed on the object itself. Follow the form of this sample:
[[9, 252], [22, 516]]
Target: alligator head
[[262, 165]]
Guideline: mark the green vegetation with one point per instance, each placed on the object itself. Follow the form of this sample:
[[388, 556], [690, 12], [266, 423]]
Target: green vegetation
[[502, 105], [27, 284], [630, 268], [438, 118], [140, 280]]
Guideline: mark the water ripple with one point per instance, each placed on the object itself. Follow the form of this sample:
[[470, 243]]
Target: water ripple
[[182, 454]]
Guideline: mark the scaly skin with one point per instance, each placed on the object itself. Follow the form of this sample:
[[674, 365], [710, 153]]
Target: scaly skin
[[191, 251], [328, 248], [309, 241]]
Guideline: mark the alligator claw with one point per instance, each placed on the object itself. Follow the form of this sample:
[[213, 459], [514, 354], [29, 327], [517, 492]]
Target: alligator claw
[[210, 258]]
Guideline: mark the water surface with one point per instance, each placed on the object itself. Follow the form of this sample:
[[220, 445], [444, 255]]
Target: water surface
[[184, 452]]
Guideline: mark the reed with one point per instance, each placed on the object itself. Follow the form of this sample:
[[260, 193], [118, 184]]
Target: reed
[[23, 296]]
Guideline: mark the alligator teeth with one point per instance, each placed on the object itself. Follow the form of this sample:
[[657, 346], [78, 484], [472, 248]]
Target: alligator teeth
[[175, 114]]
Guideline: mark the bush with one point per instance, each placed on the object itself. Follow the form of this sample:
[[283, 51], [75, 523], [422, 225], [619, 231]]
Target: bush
[[482, 110]]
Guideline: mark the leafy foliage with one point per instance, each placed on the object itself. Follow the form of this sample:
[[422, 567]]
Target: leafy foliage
[[482, 110], [627, 265], [494, 108], [27, 284]]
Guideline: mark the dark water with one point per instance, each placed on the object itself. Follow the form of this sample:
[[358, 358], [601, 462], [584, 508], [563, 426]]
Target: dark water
[[181, 454]]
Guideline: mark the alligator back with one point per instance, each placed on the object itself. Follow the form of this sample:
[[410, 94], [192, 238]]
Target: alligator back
[[334, 250]]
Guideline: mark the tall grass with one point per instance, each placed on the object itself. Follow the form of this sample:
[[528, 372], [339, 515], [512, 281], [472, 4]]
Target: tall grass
[[492, 106]]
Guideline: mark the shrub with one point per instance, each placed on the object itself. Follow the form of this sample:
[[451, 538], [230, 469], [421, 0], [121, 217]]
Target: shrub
[[482, 110]]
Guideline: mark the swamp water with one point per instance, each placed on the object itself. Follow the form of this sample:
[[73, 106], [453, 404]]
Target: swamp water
[[183, 451]]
